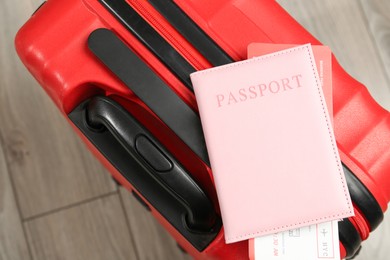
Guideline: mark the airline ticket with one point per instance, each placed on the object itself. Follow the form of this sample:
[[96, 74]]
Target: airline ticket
[[315, 242]]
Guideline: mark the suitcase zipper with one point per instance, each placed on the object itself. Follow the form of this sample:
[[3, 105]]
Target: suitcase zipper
[[361, 224]]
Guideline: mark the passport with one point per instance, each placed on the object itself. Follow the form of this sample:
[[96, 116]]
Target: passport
[[271, 145]]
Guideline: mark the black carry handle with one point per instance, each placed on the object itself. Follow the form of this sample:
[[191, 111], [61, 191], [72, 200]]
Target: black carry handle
[[147, 151]]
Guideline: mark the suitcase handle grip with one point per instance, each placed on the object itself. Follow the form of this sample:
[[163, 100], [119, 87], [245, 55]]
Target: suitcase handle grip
[[104, 113]]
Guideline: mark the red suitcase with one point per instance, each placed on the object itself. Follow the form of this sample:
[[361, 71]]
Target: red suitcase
[[124, 64]]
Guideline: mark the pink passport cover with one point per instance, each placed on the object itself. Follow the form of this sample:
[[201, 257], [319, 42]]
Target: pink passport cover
[[271, 146]]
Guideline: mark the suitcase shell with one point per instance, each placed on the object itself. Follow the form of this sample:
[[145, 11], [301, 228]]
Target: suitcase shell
[[52, 47]]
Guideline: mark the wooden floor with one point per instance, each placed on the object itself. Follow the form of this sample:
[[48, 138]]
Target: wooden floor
[[57, 201]]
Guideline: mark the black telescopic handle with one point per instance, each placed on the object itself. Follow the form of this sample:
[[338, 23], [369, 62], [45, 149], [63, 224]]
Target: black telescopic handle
[[103, 112]]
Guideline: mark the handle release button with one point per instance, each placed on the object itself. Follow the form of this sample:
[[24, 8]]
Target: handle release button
[[152, 155]]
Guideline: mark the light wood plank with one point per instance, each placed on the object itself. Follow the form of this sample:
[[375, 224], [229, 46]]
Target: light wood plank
[[341, 25], [12, 240], [95, 230], [377, 13], [151, 240], [50, 166]]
